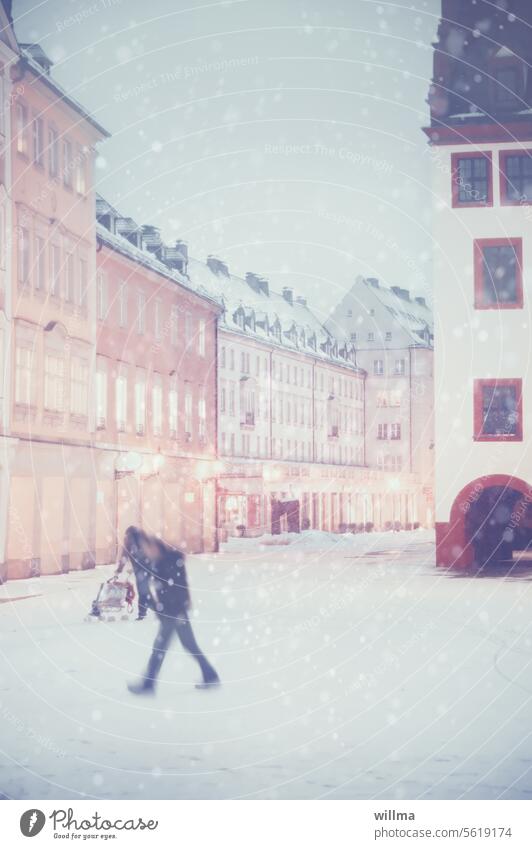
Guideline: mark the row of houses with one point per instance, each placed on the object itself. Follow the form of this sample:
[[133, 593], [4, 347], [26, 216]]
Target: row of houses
[[143, 386]]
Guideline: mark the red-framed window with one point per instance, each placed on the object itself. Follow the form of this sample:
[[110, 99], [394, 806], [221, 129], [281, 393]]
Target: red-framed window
[[472, 179], [515, 168], [498, 268], [498, 410]]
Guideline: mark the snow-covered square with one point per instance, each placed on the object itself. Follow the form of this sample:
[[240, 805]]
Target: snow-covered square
[[351, 668]]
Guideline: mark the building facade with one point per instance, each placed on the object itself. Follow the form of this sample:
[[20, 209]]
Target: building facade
[[292, 404], [48, 462], [155, 392], [481, 150], [394, 338]]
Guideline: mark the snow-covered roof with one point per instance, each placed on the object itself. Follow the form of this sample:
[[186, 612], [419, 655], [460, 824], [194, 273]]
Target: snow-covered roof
[[34, 57], [247, 305], [264, 311], [412, 313], [149, 261]]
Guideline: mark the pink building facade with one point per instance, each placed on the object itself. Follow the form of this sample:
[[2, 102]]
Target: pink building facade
[[154, 393], [47, 471]]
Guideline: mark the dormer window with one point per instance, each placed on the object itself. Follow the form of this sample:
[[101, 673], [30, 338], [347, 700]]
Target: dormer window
[[239, 318], [508, 84]]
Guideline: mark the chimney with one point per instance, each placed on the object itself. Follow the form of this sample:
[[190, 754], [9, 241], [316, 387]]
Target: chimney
[[129, 229], [173, 257], [217, 266], [39, 56], [301, 301], [421, 301], [151, 239], [404, 294], [288, 295], [182, 247], [253, 280], [264, 286], [373, 282]]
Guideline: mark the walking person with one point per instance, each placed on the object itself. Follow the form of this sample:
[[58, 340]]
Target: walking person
[[171, 602], [133, 551]]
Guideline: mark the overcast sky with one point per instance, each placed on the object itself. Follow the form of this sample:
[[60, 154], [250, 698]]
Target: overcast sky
[[281, 135]]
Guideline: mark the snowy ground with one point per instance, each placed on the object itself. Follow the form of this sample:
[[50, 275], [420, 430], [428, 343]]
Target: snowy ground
[[351, 669]]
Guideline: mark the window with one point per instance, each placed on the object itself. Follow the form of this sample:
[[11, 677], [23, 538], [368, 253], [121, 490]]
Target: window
[[202, 413], [122, 305], [371, 337], [201, 337], [157, 320], [3, 105], [67, 164], [23, 375], [141, 312], [55, 270], [174, 325], [83, 283], [472, 183], [507, 86], [353, 337], [53, 152], [498, 410], [172, 409], [22, 129], [140, 403], [38, 142], [79, 386], [382, 431], [121, 402], [69, 282], [395, 431], [23, 255], [231, 359], [395, 398], [222, 357], [101, 395], [498, 274], [399, 367], [516, 177], [39, 280], [54, 378], [388, 336], [188, 328], [101, 296], [157, 405], [188, 413], [81, 180], [222, 398], [378, 367]]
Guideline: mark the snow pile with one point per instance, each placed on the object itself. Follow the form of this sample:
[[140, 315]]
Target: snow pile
[[319, 540]]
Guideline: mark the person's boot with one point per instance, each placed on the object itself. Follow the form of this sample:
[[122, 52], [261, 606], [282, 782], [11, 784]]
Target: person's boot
[[210, 681], [144, 687]]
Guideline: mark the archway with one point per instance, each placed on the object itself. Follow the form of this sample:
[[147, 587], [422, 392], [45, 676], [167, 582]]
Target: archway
[[489, 518]]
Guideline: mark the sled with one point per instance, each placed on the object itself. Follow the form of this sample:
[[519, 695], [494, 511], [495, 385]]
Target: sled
[[114, 600]]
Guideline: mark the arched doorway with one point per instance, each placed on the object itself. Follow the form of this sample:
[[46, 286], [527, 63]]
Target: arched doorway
[[490, 518], [491, 526]]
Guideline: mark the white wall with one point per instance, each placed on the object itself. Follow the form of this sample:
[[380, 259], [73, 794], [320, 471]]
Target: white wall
[[473, 343]]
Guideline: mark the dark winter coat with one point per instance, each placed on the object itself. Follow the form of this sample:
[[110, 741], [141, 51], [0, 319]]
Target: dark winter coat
[[170, 586]]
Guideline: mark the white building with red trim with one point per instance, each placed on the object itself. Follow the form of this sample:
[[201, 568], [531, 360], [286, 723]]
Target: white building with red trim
[[481, 149]]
